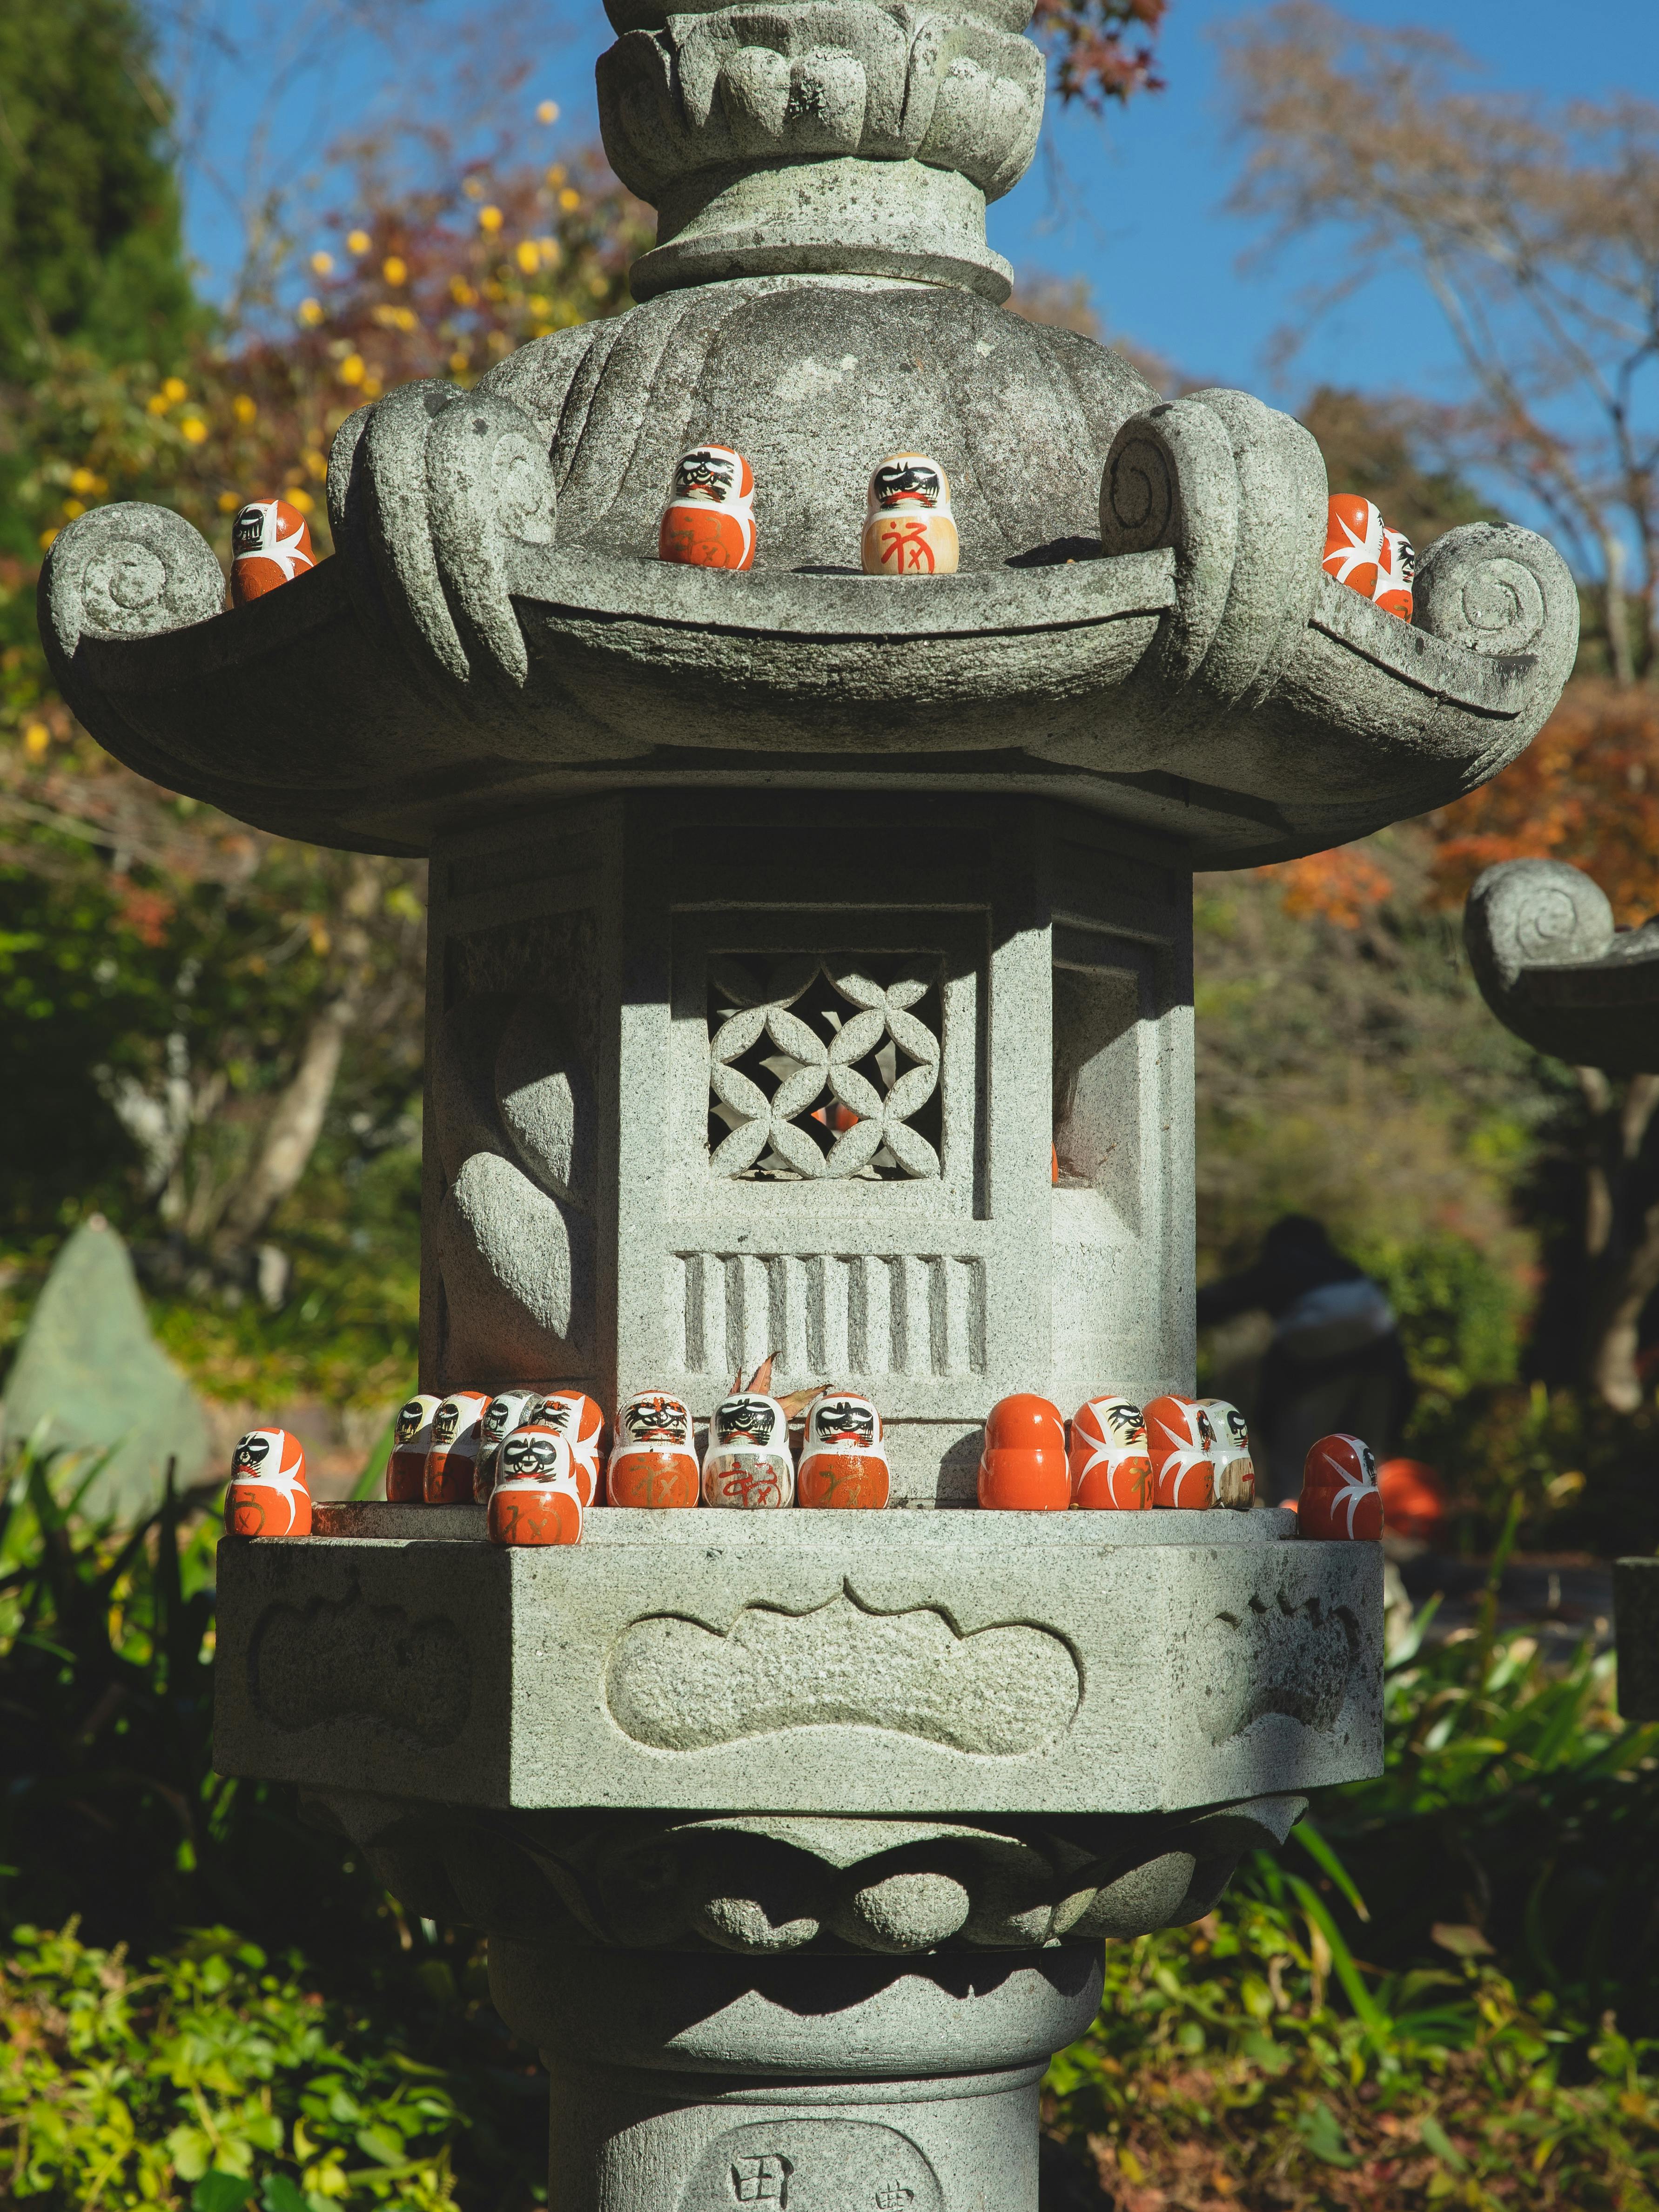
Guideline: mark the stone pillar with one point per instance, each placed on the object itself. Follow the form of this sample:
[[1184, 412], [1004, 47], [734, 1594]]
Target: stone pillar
[[898, 1088]]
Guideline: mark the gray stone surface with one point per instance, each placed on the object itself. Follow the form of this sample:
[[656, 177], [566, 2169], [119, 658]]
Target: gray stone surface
[[1553, 966], [809, 1662], [90, 1378], [1635, 1613], [495, 633]]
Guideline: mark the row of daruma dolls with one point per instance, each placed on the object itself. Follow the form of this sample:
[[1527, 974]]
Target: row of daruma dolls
[[539, 1461], [909, 530]]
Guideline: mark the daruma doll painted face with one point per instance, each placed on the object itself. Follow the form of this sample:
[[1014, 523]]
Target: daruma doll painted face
[[709, 519], [267, 1495], [536, 1499], [1023, 1467], [1339, 1496], [747, 1464], [908, 528], [457, 1430], [581, 1421], [653, 1461], [1110, 1471], [1235, 1470], [505, 1413], [269, 545], [1179, 1443], [405, 1471], [843, 1460]]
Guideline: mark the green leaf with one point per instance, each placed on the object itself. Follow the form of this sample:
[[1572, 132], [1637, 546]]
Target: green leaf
[[221, 2192], [1327, 1860], [383, 2144], [1436, 2139], [1316, 2123], [279, 2194]]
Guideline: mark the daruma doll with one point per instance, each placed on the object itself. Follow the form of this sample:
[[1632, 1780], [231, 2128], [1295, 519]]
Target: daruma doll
[[1361, 552], [457, 1432], [536, 1499], [505, 1411], [1023, 1467], [1111, 1470], [709, 519], [1180, 1442], [747, 1464], [1339, 1496], [267, 1495], [843, 1459], [653, 1461], [269, 545], [908, 528], [581, 1421], [1235, 1470], [405, 1471]]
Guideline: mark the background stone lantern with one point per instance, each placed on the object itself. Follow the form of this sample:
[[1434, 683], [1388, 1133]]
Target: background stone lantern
[[810, 973]]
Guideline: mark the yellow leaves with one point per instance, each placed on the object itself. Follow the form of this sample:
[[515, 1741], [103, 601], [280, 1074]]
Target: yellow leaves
[[244, 409], [155, 405], [47, 539], [548, 111], [352, 369], [315, 463], [489, 219], [228, 502], [36, 738], [550, 251], [175, 389], [528, 254], [311, 313], [539, 305], [558, 173], [598, 284], [322, 263], [459, 361], [73, 506], [82, 480], [359, 240], [372, 387], [462, 293], [395, 269], [193, 430], [319, 937], [569, 198], [395, 319], [301, 499]]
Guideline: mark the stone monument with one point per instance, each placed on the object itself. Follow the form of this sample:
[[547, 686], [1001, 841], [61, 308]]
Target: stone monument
[[1555, 969], [811, 974]]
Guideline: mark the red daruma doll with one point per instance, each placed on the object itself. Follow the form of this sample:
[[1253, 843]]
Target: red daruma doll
[[709, 519], [1111, 1470], [1023, 1467], [535, 1499], [579, 1419], [267, 1495], [1339, 1496], [653, 1461], [269, 545], [747, 1464], [1180, 1442], [411, 1439], [1361, 552], [843, 1460], [456, 1433]]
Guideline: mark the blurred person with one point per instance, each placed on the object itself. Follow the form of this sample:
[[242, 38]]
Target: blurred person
[[1335, 1363]]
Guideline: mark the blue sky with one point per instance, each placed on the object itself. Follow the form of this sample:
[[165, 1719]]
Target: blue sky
[[1138, 210]]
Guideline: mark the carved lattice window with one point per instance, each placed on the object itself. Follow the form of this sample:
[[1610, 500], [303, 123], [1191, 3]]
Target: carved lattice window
[[824, 1067]]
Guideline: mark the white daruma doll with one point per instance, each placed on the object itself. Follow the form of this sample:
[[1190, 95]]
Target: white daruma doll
[[457, 1430], [507, 1410], [709, 519], [1179, 1443], [908, 528], [1235, 1470], [1111, 1470], [536, 1499], [267, 1495], [653, 1461], [269, 545], [843, 1459], [748, 1463], [581, 1421], [405, 1471]]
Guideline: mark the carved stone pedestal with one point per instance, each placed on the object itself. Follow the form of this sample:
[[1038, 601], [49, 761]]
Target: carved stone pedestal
[[688, 2084]]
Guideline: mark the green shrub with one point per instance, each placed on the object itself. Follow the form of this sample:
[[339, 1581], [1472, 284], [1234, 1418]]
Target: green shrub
[[210, 2080]]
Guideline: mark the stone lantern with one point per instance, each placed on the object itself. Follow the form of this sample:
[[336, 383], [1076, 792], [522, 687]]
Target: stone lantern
[[797, 1834]]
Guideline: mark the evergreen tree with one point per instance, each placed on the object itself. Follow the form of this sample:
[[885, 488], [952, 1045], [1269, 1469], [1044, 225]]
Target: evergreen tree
[[90, 242]]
